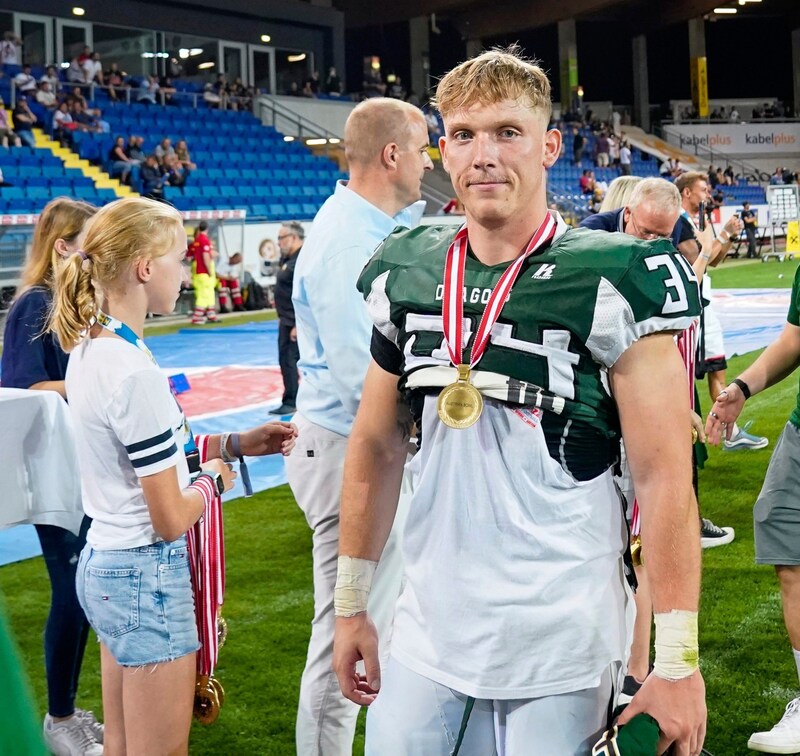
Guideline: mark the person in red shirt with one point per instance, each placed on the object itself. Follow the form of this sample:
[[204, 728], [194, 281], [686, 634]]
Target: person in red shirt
[[204, 279]]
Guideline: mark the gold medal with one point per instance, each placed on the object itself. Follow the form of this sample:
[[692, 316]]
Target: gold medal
[[222, 631], [694, 435], [206, 701], [219, 689], [636, 551], [460, 404]]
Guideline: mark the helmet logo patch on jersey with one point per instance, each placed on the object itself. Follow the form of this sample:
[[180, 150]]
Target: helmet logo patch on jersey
[[545, 272]]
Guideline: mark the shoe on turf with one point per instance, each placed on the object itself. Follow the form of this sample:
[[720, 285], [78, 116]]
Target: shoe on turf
[[90, 722], [630, 687], [284, 409], [70, 737], [712, 535], [784, 737], [745, 440]]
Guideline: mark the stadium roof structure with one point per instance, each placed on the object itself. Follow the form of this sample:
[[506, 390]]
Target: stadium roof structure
[[479, 19]]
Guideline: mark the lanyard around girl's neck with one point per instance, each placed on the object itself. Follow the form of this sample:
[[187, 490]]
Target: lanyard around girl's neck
[[127, 333]]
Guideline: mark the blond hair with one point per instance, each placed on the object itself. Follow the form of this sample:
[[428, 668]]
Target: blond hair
[[619, 192], [120, 233], [63, 218], [493, 76], [373, 124], [689, 179]]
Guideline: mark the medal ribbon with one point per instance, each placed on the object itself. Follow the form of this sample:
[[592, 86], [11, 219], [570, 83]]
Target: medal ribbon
[[453, 294], [207, 564], [204, 539]]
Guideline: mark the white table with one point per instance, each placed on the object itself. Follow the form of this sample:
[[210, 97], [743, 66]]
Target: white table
[[39, 475]]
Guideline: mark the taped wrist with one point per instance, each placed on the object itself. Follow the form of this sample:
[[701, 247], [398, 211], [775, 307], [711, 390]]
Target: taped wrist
[[677, 649], [353, 583]]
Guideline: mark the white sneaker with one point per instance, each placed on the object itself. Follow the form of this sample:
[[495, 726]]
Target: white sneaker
[[90, 722], [70, 737], [784, 737]]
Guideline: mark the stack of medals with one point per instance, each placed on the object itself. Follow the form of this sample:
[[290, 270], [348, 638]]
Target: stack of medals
[[460, 404], [207, 561]]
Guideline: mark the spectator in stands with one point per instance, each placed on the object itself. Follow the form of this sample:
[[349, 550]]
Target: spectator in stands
[[134, 149], [433, 124], [152, 179], [24, 121], [163, 149], [51, 76], [777, 177], [210, 96], [333, 84], [32, 359], [602, 150], [119, 163], [45, 95], [241, 95], [24, 80], [713, 181], [311, 86], [613, 149], [730, 176], [167, 90], [721, 177], [148, 91], [182, 153], [750, 229], [93, 69], [625, 159], [373, 85], [733, 116], [587, 182], [222, 90], [395, 90], [671, 168], [63, 125], [7, 134], [85, 120], [115, 79], [578, 143], [75, 72], [173, 171], [9, 49]]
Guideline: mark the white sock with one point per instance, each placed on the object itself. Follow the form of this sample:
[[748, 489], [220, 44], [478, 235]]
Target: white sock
[[796, 655]]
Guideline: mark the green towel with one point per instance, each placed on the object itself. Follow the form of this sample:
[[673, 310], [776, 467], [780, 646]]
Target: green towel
[[637, 738]]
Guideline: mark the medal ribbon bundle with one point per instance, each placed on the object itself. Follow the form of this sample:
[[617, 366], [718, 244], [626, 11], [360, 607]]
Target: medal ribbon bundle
[[460, 404], [207, 564]]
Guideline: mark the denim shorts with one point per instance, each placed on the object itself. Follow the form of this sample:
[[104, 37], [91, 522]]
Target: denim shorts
[[139, 601]]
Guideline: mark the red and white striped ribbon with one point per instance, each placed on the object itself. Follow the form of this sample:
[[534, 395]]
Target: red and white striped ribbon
[[453, 294], [206, 546]]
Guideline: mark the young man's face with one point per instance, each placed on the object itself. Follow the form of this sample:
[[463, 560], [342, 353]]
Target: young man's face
[[695, 194], [496, 156]]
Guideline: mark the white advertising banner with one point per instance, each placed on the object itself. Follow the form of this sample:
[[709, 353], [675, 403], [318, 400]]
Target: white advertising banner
[[737, 138]]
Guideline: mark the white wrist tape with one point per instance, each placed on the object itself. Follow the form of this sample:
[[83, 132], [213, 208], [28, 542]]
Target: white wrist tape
[[353, 583], [677, 650]]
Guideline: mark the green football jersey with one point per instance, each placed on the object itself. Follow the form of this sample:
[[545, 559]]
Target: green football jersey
[[793, 317], [576, 307]]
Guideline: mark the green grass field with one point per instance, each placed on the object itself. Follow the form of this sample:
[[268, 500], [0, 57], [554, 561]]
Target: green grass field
[[745, 655]]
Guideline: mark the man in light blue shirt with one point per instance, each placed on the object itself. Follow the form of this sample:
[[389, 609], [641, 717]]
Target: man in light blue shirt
[[386, 145]]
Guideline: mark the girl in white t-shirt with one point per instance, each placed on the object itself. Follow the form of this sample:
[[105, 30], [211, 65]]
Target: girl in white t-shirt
[[133, 577]]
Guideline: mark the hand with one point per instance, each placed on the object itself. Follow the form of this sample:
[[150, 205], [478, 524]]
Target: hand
[[706, 239], [734, 225], [215, 466], [269, 438], [355, 639], [726, 409], [697, 424], [678, 707], [293, 334]]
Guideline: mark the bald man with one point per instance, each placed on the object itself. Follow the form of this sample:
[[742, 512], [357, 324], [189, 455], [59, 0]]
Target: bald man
[[386, 145]]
